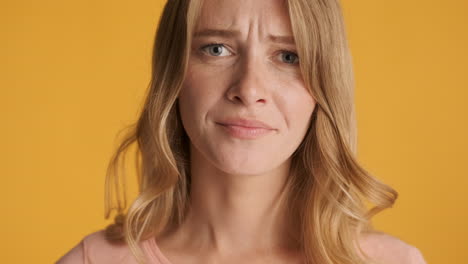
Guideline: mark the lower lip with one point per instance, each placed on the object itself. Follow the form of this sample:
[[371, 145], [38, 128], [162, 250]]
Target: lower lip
[[246, 132]]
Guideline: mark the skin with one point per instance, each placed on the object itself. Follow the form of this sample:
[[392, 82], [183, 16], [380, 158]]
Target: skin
[[236, 183]]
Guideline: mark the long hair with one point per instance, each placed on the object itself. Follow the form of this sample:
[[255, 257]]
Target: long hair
[[328, 189]]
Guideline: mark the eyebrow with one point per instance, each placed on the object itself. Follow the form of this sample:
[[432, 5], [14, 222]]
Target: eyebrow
[[234, 33]]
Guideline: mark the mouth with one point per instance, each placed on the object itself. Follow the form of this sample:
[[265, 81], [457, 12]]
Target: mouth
[[247, 123], [245, 132]]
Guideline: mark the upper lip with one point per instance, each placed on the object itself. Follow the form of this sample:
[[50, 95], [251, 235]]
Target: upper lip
[[251, 123]]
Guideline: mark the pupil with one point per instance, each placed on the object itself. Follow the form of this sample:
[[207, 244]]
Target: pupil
[[217, 49]]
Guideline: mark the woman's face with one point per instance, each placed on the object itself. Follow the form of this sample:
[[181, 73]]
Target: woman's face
[[243, 66]]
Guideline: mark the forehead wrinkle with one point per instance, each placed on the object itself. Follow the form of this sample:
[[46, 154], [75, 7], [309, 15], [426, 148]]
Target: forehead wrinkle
[[233, 19], [228, 19]]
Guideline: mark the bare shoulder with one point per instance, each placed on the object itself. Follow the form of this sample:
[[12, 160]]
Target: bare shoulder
[[386, 249]]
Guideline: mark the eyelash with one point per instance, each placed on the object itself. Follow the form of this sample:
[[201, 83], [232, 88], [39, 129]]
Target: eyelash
[[283, 51]]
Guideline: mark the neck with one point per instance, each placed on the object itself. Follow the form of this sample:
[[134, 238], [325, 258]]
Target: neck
[[242, 212]]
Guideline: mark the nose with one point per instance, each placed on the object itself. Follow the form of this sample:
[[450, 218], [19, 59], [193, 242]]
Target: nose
[[249, 82]]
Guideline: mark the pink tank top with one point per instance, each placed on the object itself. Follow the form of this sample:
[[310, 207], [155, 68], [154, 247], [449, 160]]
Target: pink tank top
[[94, 248]]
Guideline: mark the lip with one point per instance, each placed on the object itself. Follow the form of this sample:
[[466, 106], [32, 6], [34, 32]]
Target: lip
[[246, 123], [245, 128]]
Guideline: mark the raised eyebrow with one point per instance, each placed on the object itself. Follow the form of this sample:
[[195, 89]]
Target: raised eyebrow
[[216, 33], [282, 39], [234, 33]]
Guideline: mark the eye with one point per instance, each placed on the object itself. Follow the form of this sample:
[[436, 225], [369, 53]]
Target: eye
[[289, 57], [216, 49]]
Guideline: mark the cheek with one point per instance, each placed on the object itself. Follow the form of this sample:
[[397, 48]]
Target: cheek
[[199, 94], [201, 87], [298, 107], [193, 89]]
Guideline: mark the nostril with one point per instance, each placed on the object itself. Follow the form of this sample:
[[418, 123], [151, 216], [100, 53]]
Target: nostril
[[238, 99]]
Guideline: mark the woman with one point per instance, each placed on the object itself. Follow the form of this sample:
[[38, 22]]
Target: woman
[[247, 145]]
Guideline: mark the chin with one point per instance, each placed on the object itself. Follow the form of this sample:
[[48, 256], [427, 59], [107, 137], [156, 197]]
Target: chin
[[236, 160], [249, 169]]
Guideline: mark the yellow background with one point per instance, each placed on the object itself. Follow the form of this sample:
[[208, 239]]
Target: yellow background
[[73, 73]]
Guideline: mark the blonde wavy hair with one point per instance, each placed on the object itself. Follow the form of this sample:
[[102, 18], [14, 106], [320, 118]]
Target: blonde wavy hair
[[328, 189]]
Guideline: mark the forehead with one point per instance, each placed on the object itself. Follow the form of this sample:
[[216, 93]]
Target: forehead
[[268, 16]]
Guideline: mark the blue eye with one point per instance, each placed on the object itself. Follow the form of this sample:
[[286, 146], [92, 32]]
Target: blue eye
[[215, 49], [289, 57]]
